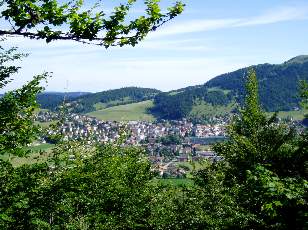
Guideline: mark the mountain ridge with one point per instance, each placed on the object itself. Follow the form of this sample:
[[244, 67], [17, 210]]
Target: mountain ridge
[[278, 89], [298, 59]]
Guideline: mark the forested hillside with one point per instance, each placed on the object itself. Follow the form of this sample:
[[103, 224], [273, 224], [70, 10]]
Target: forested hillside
[[51, 100], [83, 102], [177, 106], [278, 89], [105, 99], [279, 84]]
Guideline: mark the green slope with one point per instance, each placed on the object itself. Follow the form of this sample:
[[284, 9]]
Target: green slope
[[123, 101], [202, 109], [101, 100], [128, 112], [296, 115], [278, 90], [278, 84]]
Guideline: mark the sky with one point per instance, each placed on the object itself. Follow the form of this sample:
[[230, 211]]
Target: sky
[[210, 38]]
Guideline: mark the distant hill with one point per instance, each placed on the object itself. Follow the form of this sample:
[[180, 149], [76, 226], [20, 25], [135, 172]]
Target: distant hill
[[278, 89], [301, 59], [98, 101], [278, 84], [51, 100]]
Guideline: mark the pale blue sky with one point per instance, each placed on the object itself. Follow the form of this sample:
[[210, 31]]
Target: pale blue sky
[[208, 39]]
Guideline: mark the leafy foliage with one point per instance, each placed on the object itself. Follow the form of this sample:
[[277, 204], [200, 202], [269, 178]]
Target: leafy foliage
[[7, 70], [264, 167], [16, 107], [170, 140], [110, 189], [304, 94], [107, 187], [46, 19]]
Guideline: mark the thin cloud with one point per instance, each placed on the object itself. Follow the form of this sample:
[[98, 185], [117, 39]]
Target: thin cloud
[[193, 26], [277, 15]]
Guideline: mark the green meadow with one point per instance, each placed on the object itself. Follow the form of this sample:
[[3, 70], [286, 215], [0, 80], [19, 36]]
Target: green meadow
[[129, 112]]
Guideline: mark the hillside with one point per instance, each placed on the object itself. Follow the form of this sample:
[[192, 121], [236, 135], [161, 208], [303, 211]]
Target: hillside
[[278, 84], [202, 111], [129, 112], [51, 100], [102, 100], [278, 90]]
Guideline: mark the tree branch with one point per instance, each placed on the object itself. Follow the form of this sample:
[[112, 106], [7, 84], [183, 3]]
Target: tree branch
[[68, 36]]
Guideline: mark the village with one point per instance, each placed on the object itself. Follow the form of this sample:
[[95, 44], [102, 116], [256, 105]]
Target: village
[[168, 143]]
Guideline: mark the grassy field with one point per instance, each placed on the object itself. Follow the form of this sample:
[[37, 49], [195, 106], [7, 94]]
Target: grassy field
[[175, 92], [100, 105], [203, 109], [129, 112], [45, 124], [296, 115], [37, 110], [40, 153], [225, 91], [191, 166]]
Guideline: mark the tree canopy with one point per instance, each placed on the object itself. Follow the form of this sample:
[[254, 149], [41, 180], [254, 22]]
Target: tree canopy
[[264, 167], [52, 20], [17, 127]]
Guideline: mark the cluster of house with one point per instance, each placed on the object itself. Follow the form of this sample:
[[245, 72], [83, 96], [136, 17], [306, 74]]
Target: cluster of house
[[46, 116], [164, 157], [172, 168], [210, 130], [142, 133], [78, 126]]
